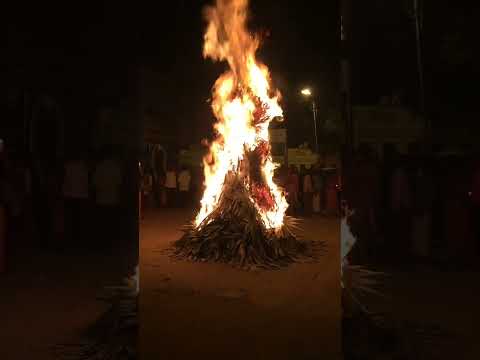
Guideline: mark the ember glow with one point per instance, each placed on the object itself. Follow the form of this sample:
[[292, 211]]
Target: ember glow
[[244, 105]]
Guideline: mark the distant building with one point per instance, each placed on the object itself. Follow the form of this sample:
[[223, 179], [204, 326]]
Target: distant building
[[396, 126], [386, 125], [278, 143], [461, 134], [13, 125], [159, 131]]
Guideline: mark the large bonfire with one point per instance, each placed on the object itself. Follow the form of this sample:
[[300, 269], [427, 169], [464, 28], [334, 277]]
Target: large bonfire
[[242, 216]]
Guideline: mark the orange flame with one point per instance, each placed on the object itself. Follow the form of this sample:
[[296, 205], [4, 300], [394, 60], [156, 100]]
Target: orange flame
[[244, 106]]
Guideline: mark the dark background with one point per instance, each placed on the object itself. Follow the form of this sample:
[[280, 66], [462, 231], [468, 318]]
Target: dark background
[[88, 56], [384, 54]]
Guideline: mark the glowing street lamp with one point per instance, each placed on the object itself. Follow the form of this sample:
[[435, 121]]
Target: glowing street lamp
[[307, 93]]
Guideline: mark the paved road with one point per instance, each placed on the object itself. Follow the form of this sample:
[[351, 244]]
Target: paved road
[[212, 311]]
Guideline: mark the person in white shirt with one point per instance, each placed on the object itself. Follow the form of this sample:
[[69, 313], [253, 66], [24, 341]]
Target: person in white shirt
[[107, 182], [184, 179], [75, 194], [171, 186]]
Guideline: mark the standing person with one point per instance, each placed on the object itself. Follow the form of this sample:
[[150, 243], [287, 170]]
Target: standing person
[[389, 159], [46, 144], [45, 197], [196, 185], [323, 189], [422, 217], [301, 176], [107, 182], [25, 179], [279, 176], [317, 188], [339, 187], [3, 223], [171, 187], [162, 190], [401, 206], [3, 237], [200, 185], [293, 189], [362, 196], [456, 226], [11, 187], [475, 200], [184, 179], [284, 176], [140, 191], [331, 193], [307, 193], [2, 154], [41, 213], [57, 204], [75, 194], [147, 180]]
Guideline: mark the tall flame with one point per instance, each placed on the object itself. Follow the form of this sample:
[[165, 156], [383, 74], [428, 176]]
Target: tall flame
[[244, 105]]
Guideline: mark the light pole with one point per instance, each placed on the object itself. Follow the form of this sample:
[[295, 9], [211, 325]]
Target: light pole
[[416, 9], [307, 93], [418, 18]]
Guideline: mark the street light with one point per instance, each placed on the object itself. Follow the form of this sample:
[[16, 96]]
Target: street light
[[307, 93]]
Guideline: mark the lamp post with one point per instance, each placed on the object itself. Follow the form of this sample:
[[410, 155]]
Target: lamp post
[[307, 93], [418, 18]]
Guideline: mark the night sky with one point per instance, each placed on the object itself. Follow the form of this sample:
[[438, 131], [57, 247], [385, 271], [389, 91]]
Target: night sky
[[384, 54], [85, 54]]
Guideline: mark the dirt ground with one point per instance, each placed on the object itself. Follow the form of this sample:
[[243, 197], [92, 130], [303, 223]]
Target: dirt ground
[[198, 310], [429, 297], [47, 298]]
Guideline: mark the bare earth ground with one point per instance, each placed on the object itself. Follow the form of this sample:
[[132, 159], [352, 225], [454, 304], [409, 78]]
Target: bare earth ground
[[447, 300], [213, 311], [48, 298]]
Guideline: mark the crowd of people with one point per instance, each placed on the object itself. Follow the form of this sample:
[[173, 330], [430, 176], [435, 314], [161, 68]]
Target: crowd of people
[[173, 188], [405, 206], [76, 203], [412, 207], [313, 190]]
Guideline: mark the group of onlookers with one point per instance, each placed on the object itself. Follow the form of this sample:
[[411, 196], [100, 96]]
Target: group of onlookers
[[93, 197], [312, 190], [412, 207], [309, 191], [15, 193], [174, 188], [75, 203]]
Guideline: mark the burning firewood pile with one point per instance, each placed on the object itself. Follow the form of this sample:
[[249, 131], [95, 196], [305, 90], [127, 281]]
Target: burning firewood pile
[[242, 216], [234, 233]]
